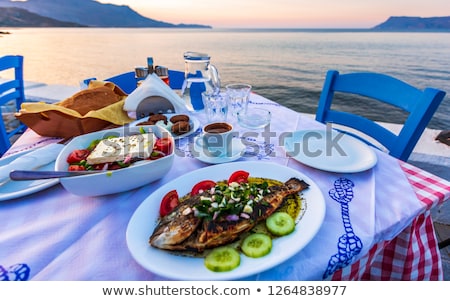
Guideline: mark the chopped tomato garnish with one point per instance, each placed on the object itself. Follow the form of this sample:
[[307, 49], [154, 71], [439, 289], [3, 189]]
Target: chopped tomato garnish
[[78, 155], [168, 203], [202, 186], [239, 176]]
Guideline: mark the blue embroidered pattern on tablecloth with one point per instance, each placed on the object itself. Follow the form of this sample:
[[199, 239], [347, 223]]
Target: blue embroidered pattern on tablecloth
[[17, 272], [349, 245], [259, 149], [264, 103]]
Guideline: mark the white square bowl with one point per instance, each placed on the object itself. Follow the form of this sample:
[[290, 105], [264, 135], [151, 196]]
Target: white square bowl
[[113, 181]]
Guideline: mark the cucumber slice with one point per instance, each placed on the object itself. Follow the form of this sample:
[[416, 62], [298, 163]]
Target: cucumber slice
[[280, 223], [222, 259], [256, 245]]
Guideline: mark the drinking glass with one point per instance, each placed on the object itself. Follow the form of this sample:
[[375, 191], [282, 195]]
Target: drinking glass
[[238, 96], [216, 106]]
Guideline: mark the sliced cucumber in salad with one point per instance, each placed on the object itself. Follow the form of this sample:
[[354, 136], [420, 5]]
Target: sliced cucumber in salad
[[280, 224]]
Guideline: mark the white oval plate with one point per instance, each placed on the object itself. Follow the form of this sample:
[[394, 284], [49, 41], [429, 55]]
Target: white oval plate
[[15, 189], [169, 265], [194, 122], [330, 151]]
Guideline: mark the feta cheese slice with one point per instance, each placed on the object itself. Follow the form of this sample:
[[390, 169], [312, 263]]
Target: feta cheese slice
[[118, 148]]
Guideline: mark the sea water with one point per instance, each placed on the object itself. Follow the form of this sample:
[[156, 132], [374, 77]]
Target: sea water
[[284, 65]]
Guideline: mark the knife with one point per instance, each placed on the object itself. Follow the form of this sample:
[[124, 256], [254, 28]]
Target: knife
[[25, 175]]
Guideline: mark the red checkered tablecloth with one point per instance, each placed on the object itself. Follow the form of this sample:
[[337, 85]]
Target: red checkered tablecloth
[[414, 253]]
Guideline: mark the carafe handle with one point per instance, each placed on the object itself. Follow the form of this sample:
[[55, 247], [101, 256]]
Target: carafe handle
[[215, 78]]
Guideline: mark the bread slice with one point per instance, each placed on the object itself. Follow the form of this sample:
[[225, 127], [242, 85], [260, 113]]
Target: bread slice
[[91, 99]]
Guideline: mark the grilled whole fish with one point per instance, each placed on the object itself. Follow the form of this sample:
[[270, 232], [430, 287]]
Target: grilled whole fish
[[183, 230]]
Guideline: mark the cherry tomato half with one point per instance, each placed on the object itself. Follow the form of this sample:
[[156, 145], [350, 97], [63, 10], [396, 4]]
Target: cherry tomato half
[[168, 203], [239, 176], [202, 186], [163, 145], [78, 155]]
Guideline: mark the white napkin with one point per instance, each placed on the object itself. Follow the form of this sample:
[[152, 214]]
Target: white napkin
[[32, 160], [153, 86]]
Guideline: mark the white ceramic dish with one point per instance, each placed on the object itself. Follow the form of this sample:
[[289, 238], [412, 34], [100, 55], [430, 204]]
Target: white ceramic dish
[[330, 151], [108, 182], [167, 264], [194, 123], [15, 189], [237, 151]]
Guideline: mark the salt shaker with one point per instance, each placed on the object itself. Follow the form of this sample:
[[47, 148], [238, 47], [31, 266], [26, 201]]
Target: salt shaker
[[163, 74], [140, 73]]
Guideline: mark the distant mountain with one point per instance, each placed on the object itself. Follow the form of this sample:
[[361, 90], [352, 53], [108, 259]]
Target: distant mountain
[[414, 24], [18, 17], [90, 13]]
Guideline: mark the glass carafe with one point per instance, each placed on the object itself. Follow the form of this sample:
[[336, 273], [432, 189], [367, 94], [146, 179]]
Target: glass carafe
[[199, 75]]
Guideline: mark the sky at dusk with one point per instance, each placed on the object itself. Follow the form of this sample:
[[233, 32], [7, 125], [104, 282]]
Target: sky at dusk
[[284, 13]]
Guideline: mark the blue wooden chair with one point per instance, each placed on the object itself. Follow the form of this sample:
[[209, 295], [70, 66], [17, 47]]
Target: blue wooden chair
[[419, 105], [11, 94], [128, 82]]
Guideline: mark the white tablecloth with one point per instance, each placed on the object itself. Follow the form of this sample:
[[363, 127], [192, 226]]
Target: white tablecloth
[[53, 235]]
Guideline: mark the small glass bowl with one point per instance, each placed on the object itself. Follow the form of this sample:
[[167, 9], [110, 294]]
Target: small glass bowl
[[254, 118]]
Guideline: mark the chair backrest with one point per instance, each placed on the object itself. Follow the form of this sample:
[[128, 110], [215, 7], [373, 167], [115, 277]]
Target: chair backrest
[[12, 95], [420, 106], [128, 82]]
